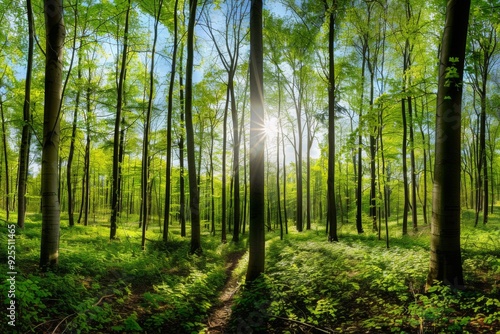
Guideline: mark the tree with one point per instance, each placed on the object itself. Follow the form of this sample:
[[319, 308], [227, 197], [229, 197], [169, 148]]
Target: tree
[[115, 195], [55, 33], [6, 159], [483, 44], [69, 180], [26, 131], [194, 195], [166, 218], [332, 208], [145, 182], [257, 145], [445, 260], [233, 36]]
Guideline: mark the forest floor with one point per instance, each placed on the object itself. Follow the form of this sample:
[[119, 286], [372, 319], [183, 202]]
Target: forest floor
[[356, 285], [220, 315]]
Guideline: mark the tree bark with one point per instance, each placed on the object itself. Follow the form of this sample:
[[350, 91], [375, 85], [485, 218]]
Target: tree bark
[[194, 197], [69, 180], [257, 144], [332, 207], [182, 192], [170, 108], [26, 132], [359, 186], [445, 255], [55, 33], [5, 155]]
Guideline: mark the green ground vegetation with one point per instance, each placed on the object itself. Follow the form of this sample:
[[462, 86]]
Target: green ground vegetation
[[310, 286]]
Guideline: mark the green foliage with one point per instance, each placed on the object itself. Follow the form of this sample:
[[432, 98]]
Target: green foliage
[[183, 304], [106, 287], [250, 312], [357, 285]]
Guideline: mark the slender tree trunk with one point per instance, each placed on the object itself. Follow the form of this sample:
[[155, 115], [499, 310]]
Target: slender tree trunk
[[257, 145], [308, 177], [212, 187], [194, 198], [406, 201], [55, 32], [413, 169], [26, 132], [446, 259], [245, 181], [170, 108], [147, 128], [236, 163], [182, 192], [359, 187], [285, 211], [278, 192], [332, 207], [373, 154], [298, 169], [6, 158], [86, 187], [245, 185], [386, 180], [80, 212], [69, 180], [224, 172], [116, 143], [425, 152]]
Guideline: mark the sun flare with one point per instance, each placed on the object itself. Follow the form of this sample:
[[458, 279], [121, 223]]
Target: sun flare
[[271, 127]]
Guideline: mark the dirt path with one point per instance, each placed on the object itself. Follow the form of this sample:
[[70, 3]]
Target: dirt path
[[220, 314]]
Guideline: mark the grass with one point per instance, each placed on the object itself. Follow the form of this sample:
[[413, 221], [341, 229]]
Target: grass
[[114, 287], [310, 286], [359, 286]]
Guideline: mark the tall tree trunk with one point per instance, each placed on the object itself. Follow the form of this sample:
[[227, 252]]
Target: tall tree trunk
[[298, 170], [170, 108], [406, 196], [182, 188], [257, 145], [236, 164], [147, 128], [446, 259], [224, 172], [425, 152], [413, 169], [308, 173], [26, 132], [194, 198], [55, 33], [487, 45], [359, 186], [212, 182], [69, 179], [86, 186], [116, 142], [373, 152], [278, 192], [332, 207], [6, 158], [245, 199], [285, 211]]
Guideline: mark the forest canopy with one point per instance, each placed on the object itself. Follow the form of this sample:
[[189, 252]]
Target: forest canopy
[[146, 114]]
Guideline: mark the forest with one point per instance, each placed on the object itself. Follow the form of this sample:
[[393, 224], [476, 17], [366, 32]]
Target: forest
[[234, 166]]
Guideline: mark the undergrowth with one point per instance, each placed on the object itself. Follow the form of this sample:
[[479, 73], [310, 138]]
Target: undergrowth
[[358, 286], [114, 287], [355, 285]]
